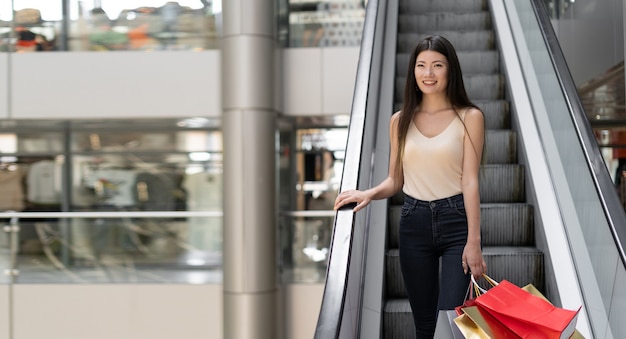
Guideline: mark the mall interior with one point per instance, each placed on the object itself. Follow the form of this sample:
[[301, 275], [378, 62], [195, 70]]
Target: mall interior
[[168, 169]]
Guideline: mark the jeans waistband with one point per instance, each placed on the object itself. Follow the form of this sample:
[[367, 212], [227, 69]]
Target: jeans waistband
[[444, 202]]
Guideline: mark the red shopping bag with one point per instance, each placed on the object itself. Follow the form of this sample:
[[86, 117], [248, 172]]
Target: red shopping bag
[[475, 323], [527, 315]]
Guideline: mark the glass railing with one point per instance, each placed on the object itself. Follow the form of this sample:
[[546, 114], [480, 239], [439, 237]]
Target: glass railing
[[340, 312], [305, 245], [594, 220], [111, 247]]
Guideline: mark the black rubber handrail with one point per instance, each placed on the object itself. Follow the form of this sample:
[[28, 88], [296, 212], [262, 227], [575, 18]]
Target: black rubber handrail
[[331, 311], [613, 208]]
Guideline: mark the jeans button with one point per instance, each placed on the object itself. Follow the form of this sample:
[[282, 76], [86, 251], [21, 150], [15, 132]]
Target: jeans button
[[432, 204]]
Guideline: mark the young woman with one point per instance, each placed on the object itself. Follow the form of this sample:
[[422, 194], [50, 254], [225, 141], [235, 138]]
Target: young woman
[[436, 148]]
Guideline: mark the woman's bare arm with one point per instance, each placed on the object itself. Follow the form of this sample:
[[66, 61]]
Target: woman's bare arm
[[472, 153], [388, 187]]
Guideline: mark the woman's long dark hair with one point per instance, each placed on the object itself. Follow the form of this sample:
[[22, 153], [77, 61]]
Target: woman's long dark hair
[[413, 95]]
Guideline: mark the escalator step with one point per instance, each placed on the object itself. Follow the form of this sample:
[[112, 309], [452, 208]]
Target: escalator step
[[501, 147], [444, 21], [462, 41], [501, 225], [496, 113], [442, 6], [520, 265], [397, 318], [500, 183]]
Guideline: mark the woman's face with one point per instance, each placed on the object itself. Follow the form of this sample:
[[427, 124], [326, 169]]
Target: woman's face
[[431, 72]]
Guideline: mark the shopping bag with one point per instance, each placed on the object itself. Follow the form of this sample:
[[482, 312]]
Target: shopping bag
[[476, 324], [469, 328], [530, 288], [527, 315], [473, 291]]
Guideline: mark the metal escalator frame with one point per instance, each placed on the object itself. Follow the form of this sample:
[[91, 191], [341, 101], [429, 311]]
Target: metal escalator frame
[[600, 175], [536, 166], [560, 124], [348, 243]]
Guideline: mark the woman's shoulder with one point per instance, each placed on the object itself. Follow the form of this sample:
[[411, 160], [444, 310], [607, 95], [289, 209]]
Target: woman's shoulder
[[395, 117], [471, 113]]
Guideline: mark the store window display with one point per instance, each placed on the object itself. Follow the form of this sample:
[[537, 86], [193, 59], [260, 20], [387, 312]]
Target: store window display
[[102, 36], [147, 24], [31, 184], [332, 23], [33, 32], [12, 187], [204, 193], [127, 170], [152, 25], [318, 160], [114, 167]]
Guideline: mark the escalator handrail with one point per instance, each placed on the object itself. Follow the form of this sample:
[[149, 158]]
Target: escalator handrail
[[613, 209], [332, 307]]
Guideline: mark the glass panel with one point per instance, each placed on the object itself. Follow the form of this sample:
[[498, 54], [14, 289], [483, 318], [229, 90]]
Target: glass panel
[[145, 183], [282, 22], [5, 251], [305, 247], [557, 8], [337, 23], [138, 141], [30, 138], [319, 161], [312, 159], [5, 25], [109, 25], [121, 249], [583, 215]]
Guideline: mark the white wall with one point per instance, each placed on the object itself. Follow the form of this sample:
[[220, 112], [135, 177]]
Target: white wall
[[4, 312], [139, 311], [318, 81], [117, 311], [86, 85], [302, 308], [591, 35]]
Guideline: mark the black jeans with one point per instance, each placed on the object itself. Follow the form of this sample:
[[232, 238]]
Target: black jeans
[[433, 235]]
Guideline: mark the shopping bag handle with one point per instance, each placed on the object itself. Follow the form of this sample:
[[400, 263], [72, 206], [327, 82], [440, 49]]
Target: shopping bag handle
[[478, 288]]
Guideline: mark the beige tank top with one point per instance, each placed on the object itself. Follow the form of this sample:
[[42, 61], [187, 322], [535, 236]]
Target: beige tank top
[[433, 166]]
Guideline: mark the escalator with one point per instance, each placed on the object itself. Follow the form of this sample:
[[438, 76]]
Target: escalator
[[549, 213]]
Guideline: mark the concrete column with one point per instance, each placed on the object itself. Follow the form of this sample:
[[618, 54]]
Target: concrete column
[[249, 119]]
